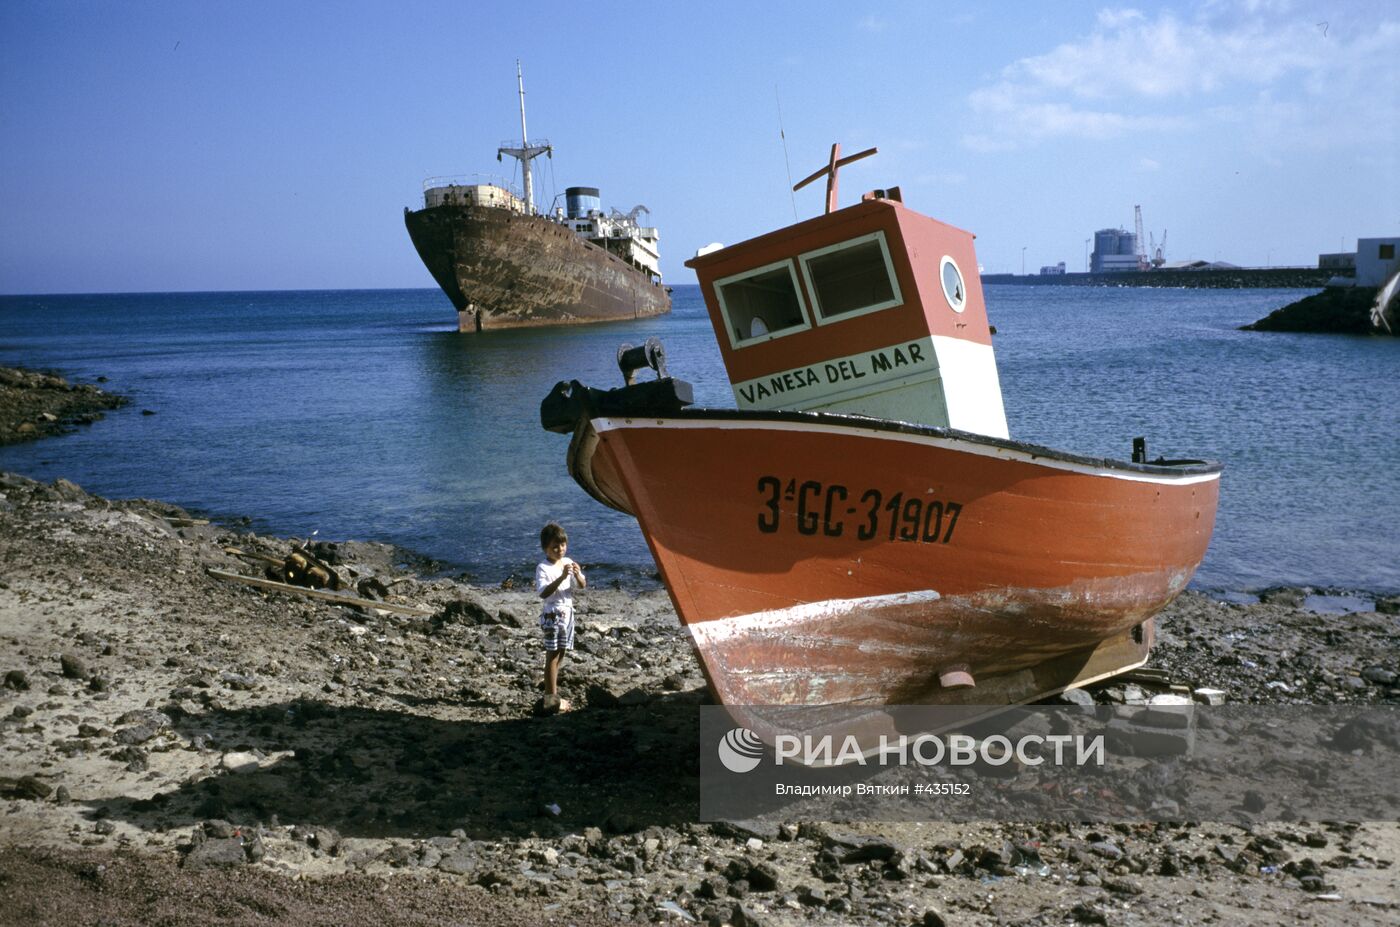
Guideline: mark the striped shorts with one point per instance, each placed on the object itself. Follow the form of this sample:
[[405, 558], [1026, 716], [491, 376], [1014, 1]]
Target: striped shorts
[[558, 629]]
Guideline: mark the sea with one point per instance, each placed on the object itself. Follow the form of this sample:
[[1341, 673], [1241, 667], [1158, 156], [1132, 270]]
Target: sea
[[364, 414]]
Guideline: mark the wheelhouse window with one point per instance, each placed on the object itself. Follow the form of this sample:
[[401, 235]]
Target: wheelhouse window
[[851, 278], [762, 304], [954, 290]]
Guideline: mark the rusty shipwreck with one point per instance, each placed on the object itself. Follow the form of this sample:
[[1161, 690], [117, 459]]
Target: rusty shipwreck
[[503, 264], [861, 530]]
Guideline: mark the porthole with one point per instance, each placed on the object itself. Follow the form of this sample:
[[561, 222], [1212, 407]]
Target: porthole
[[954, 290]]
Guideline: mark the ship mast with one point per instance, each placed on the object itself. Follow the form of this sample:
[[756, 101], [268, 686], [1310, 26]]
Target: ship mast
[[526, 152]]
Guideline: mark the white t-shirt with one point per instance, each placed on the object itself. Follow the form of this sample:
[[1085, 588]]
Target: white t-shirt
[[562, 600]]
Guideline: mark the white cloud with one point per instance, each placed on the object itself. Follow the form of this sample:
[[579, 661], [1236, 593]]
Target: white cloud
[[871, 23], [1148, 164], [1134, 73], [1129, 55], [1019, 118], [1112, 19]]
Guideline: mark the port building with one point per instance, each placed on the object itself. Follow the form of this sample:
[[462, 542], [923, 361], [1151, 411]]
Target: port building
[[1377, 260], [1374, 261], [1339, 262]]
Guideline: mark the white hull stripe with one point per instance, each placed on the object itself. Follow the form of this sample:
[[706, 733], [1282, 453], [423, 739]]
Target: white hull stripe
[[723, 629], [951, 444]]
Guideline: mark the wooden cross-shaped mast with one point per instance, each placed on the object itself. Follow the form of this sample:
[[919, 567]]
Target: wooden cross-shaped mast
[[832, 166]]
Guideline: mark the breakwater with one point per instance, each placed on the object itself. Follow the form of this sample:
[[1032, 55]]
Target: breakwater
[[1217, 279]]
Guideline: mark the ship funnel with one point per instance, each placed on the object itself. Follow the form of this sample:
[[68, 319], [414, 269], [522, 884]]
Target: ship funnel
[[581, 201]]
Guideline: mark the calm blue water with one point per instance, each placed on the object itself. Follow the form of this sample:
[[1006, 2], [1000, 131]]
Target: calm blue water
[[363, 414]]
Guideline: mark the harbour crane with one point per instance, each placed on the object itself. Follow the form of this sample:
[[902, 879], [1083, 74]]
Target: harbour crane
[[1159, 250]]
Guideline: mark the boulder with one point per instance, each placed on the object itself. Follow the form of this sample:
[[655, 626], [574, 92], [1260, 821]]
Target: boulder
[[73, 666], [469, 609], [216, 853]]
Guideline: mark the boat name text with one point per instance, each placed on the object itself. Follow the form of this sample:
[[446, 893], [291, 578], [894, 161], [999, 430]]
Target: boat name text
[[897, 360], [824, 510]]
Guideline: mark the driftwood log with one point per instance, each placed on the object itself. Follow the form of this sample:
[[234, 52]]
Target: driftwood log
[[336, 597]]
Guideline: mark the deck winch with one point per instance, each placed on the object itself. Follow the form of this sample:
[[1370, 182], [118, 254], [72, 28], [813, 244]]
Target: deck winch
[[650, 353], [571, 402]]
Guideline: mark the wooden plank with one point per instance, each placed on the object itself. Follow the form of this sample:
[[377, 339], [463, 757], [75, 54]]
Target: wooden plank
[[338, 598]]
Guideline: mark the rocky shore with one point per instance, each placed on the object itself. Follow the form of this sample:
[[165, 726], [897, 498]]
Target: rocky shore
[[181, 749], [176, 747], [1335, 311], [34, 404]]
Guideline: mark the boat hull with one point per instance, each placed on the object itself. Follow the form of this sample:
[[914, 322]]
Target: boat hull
[[502, 269], [825, 560]]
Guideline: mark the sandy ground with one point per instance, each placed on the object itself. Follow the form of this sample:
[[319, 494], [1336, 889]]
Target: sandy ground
[[177, 749]]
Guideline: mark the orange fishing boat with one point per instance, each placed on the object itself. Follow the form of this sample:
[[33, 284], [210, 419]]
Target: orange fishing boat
[[861, 530]]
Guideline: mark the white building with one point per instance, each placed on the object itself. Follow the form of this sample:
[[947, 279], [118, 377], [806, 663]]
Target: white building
[[1376, 260]]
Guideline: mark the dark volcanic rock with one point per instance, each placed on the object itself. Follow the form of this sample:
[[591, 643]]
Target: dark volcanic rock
[[470, 609], [216, 853], [599, 695], [1337, 310], [459, 862], [854, 848], [1379, 675], [34, 405], [1366, 731], [743, 875], [26, 787], [1085, 913], [1291, 596]]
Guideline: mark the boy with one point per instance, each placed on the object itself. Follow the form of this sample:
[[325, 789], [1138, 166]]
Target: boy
[[555, 581]]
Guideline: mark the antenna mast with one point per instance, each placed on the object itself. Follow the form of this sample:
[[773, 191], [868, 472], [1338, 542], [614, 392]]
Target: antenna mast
[[526, 152], [520, 82]]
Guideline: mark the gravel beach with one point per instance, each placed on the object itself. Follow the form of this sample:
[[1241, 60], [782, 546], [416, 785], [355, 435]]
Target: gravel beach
[[181, 749]]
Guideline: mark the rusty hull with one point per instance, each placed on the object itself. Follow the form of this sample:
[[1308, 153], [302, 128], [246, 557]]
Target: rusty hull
[[505, 270]]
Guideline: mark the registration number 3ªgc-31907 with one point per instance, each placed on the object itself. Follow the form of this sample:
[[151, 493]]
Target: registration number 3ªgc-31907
[[831, 510]]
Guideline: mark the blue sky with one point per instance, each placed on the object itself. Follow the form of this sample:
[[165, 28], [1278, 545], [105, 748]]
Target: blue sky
[[212, 146]]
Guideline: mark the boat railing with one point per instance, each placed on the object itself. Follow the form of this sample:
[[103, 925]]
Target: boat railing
[[470, 180]]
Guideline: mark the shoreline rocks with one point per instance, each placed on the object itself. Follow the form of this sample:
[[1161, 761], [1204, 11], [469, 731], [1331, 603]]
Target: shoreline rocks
[[1335, 310], [35, 404]]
